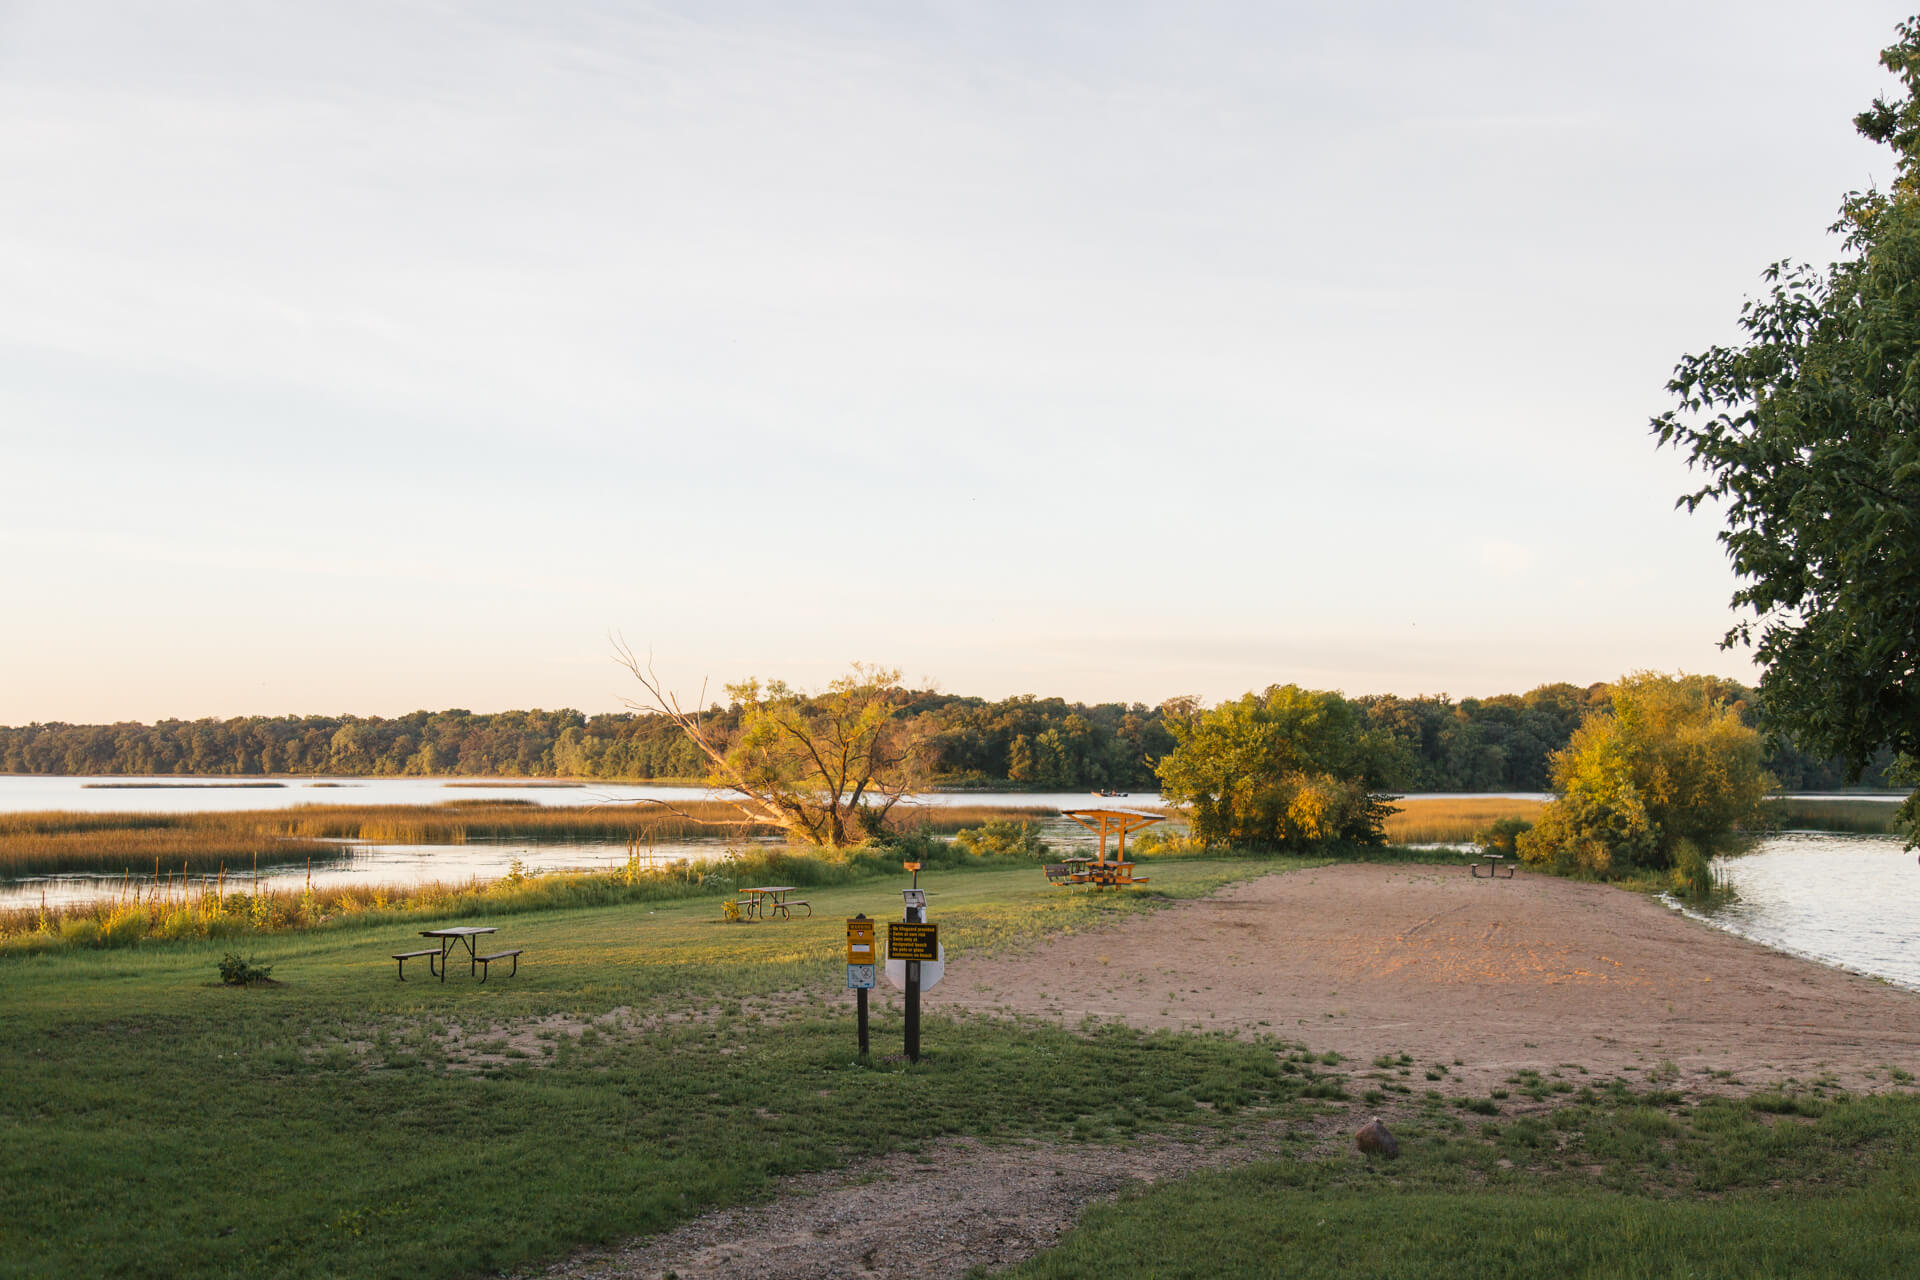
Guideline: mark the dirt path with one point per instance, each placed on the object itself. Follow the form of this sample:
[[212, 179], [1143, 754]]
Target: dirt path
[[1365, 960], [933, 1216]]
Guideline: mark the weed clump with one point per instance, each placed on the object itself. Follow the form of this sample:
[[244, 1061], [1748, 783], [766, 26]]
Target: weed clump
[[236, 972]]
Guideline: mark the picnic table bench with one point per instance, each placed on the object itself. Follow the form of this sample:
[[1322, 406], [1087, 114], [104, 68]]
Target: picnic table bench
[[404, 956], [484, 961]]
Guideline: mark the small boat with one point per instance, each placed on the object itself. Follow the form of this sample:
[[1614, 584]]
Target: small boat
[[1109, 793]]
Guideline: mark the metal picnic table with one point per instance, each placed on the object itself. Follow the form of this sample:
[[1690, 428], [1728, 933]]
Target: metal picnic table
[[767, 900], [451, 938]]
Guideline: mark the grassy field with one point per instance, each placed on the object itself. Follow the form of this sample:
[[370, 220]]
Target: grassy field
[[650, 1062], [646, 1063]]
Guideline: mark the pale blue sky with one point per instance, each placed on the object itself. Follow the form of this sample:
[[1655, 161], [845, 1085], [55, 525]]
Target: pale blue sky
[[365, 357]]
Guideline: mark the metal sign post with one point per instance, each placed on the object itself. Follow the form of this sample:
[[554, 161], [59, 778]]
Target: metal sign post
[[913, 940], [860, 968]]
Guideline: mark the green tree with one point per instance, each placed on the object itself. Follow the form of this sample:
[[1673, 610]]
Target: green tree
[[1670, 766], [1809, 435], [1291, 766]]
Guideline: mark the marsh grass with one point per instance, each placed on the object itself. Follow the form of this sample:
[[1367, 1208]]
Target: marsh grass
[[59, 841], [200, 843], [1453, 821], [1864, 817]]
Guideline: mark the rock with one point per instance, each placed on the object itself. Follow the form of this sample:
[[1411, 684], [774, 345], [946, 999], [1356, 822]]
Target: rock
[[1374, 1139]]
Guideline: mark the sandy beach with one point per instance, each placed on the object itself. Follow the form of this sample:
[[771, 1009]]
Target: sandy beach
[[1534, 972]]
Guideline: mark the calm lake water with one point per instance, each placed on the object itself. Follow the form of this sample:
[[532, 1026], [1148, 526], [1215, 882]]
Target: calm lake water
[[25, 794], [1845, 900]]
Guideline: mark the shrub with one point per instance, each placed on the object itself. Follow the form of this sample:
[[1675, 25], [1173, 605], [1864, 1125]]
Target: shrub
[[1004, 838], [1500, 835], [236, 972], [1669, 766]]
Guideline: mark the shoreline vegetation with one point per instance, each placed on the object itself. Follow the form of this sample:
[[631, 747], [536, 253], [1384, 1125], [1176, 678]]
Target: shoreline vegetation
[[232, 846]]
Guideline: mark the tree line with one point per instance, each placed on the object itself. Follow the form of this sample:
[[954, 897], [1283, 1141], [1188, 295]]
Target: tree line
[[1434, 743]]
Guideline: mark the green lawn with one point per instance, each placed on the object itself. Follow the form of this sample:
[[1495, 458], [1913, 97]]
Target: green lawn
[[650, 1062], [1613, 1184], [153, 1122]]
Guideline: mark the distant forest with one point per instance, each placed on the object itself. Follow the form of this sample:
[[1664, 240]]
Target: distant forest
[[1476, 744]]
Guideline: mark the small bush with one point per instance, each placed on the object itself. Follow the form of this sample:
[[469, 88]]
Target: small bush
[[1499, 836], [236, 972]]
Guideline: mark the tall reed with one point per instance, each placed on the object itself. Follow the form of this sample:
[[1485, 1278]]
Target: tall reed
[[1453, 821]]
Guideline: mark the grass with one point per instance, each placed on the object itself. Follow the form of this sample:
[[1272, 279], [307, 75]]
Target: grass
[[650, 1062], [156, 1122], [59, 841], [1453, 821], [1616, 1183]]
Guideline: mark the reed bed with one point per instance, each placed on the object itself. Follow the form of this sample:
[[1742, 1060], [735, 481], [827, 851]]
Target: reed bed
[[51, 842], [162, 849], [1453, 821], [1865, 817]]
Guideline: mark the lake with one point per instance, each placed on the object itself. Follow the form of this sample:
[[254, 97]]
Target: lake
[[1846, 900], [30, 793]]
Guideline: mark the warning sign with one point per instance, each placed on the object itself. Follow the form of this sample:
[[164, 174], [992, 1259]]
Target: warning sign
[[860, 948], [913, 941]]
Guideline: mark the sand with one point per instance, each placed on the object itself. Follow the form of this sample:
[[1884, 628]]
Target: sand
[[1534, 972]]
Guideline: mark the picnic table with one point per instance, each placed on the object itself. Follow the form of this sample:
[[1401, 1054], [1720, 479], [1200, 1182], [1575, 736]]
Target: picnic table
[[451, 938], [1494, 862], [768, 900]]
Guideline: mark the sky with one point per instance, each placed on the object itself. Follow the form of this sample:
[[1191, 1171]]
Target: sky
[[365, 357]]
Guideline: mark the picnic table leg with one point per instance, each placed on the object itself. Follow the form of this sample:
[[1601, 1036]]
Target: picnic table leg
[[446, 944]]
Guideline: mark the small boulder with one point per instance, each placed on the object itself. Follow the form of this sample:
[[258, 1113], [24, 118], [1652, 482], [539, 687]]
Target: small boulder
[[1374, 1139]]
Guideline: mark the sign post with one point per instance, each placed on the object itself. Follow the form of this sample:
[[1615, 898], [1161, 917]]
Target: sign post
[[913, 941], [860, 968]]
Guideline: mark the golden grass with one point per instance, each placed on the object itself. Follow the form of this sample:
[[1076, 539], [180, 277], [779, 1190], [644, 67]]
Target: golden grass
[[1454, 821]]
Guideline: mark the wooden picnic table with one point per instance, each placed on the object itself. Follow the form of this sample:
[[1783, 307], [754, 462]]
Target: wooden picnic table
[[768, 900], [451, 938]]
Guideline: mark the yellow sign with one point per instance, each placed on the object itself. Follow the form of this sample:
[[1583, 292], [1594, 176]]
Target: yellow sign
[[860, 948], [913, 941]]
